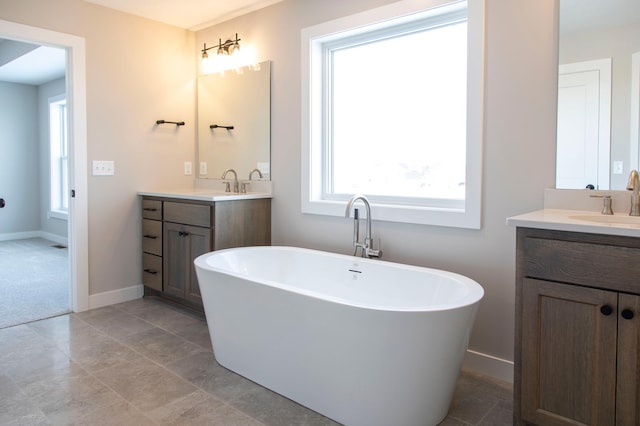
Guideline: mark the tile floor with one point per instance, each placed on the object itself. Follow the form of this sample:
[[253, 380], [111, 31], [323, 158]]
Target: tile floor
[[147, 363]]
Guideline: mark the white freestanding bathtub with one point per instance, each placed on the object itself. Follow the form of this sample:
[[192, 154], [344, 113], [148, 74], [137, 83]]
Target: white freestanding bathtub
[[363, 342]]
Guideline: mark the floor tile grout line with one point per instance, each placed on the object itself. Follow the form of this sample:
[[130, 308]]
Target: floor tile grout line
[[193, 384], [90, 373], [27, 397], [159, 365]]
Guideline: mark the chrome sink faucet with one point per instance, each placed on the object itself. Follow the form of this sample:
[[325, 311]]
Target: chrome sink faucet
[[366, 248], [235, 180], [255, 171], [634, 185]]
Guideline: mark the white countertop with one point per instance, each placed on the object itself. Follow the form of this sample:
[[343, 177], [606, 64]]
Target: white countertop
[[579, 221], [204, 194]]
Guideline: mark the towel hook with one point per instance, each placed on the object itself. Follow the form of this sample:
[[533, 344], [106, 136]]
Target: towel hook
[[217, 126], [177, 123]]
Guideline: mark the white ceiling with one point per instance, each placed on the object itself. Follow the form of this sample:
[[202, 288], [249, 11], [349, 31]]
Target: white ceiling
[[45, 64], [190, 14], [26, 63], [42, 64]]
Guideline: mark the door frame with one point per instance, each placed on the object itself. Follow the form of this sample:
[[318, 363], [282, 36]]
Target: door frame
[[635, 111], [76, 100]]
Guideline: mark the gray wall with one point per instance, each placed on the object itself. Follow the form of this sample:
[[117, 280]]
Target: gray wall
[[19, 159], [139, 71], [519, 149]]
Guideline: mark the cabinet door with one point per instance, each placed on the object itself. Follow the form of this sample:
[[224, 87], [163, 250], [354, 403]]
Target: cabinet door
[[628, 394], [182, 244], [569, 336], [199, 243]]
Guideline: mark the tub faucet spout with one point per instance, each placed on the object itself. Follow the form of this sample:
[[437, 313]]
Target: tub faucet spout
[[236, 188], [634, 185], [367, 249]]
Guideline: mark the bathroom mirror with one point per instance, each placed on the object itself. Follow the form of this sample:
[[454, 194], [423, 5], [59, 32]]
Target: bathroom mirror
[[597, 145], [234, 122]]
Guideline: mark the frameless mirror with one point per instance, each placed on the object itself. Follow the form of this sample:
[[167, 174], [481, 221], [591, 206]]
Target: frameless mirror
[[597, 140], [234, 122]]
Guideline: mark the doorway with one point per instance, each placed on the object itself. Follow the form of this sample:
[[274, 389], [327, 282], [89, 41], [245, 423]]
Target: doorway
[[584, 125], [75, 85]]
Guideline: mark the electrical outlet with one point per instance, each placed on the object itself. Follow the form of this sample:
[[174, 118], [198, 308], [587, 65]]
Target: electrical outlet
[[188, 168], [617, 168], [103, 168], [203, 168], [263, 167]]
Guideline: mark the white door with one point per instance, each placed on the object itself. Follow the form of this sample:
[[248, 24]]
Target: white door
[[583, 135]]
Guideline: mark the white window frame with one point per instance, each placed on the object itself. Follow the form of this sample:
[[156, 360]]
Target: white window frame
[[313, 39], [57, 191]]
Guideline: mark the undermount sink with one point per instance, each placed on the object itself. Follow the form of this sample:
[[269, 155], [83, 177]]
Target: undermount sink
[[613, 219]]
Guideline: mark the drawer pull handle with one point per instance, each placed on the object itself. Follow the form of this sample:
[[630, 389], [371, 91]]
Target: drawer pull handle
[[606, 310], [627, 314], [183, 234], [150, 209], [151, 271], [153, 237]]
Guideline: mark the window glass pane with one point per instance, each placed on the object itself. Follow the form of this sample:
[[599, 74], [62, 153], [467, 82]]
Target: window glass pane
[[59, 179], [398, 116]]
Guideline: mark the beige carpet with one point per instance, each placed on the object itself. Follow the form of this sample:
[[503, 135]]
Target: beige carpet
[[34, 281]]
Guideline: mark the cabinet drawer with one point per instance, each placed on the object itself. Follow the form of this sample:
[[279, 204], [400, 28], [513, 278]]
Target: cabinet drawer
[[189, 214], [595, 265], [151, 209], [152, 271], [152, 236]]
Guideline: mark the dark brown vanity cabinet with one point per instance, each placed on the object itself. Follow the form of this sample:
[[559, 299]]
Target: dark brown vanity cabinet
[[189, 228], [152, 244], [577, 329]]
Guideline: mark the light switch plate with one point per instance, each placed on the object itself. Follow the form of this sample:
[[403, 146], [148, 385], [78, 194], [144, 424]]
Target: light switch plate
[[103, 168], [263, 167]]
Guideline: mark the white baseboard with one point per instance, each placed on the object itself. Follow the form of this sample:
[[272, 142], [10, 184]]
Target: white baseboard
[[107, 298], [55, 238], [19, 235], [488, 365], [34, 234]]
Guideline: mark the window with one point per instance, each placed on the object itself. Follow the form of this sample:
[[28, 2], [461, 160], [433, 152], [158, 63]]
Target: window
[[58, 145], [392, 109]]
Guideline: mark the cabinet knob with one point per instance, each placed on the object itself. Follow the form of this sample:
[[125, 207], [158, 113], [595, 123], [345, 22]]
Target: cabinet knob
[[606, 310], [627, 314]]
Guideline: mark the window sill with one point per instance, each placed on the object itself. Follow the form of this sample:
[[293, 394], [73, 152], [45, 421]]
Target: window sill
[[457, 218], [58, 215]]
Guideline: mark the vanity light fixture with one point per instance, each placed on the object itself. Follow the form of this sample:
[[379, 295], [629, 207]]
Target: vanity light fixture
[[229, 47], [228, 56]]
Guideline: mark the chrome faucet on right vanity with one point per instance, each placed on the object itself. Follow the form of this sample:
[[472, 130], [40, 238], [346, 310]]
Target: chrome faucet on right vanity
[[634, 185], [236, 187], [367, 249]]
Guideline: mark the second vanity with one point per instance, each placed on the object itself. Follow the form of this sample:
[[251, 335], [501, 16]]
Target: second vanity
[[178, 226], [577, 309]]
